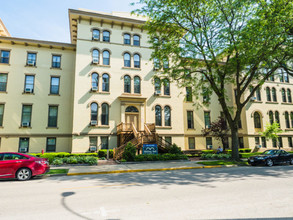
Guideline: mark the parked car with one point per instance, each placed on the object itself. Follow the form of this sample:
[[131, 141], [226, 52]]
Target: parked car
[[271, 157], [22, 166]]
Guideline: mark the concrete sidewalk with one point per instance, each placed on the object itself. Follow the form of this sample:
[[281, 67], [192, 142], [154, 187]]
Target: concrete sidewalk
[[133, 167]]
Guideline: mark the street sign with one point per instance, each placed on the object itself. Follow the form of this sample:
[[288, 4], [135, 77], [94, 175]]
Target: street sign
[[150, 149]]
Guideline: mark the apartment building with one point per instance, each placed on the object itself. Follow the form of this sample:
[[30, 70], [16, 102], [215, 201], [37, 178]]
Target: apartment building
[[84, 95]]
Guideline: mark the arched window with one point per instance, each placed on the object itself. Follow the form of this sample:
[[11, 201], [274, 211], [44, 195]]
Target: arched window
[[277, 117], [156, 64], [268, 91], [127, 60], [105, 114], [127, 39], [274, 94], [283, 95], [136, 40], [258, 95], [286, 77], [106, 36], [289, 95], [167, 113], [157, 86], [158, 112], [105, 82], [291, 117], [136, 59], [271, 116], [95, 81], [166, 63], [137, 85], [106, 57], [257, 122], [96, 34], [166, 87], [287, 121], [94, 111], [127, 84], [96, 56], [131, 109]]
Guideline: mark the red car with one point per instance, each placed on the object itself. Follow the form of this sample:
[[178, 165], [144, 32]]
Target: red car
[[22, 166]]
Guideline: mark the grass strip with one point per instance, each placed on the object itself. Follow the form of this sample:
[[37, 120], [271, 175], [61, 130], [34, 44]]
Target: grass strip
[[222, 162], [58, 171]]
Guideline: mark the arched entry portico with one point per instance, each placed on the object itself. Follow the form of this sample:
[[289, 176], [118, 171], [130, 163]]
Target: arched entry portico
[[132, 116]]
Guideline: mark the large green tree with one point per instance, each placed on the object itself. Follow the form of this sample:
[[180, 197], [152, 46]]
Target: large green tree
[[214, 43]]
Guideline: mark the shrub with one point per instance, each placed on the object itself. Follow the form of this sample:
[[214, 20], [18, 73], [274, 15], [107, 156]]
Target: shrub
[[91, 160], [103, 153], [174, 149], [215, 156], [156, 157], [129, 152], [57, 161]]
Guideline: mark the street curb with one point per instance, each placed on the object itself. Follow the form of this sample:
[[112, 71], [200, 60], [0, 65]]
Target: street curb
[[143, 170]]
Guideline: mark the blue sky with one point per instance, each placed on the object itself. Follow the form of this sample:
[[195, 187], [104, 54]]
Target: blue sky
[[48, 19]]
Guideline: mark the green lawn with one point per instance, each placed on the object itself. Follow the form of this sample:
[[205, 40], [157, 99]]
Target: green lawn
[[222, 162], [58, 171]]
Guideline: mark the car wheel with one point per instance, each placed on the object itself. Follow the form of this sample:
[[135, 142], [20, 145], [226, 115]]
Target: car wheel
[[269, 162], [23, 174], [291, 161]]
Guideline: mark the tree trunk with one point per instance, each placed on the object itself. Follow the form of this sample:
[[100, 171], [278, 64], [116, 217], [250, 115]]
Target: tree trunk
[[235, 143]]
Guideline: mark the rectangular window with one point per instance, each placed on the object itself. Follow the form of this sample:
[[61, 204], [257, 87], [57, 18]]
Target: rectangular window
[[29, 84], [26, 115], [190, 122], [239, 123], [5, 54], [207, 119], [290, 143], [241, 143], [23, 145], [31, 59], [51, 144], [188, 94], [280, 142], [209, 143], [56, 61], [1, 114], [274, 142], [3, 82], [104, 143], [168, 139], [256, 139], [54, 87], [53, 114], [191, 143], [263, 142], [93, 142]]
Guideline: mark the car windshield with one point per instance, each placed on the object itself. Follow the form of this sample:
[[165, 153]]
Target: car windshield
[[270, 152]]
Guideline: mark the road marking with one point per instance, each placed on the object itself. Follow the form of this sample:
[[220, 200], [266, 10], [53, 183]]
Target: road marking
[[81, 187]]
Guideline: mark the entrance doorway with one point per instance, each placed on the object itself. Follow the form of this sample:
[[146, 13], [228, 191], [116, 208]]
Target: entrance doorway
[[132, 116]]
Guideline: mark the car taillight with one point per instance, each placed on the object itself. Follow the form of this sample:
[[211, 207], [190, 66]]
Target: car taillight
[[43, 162]]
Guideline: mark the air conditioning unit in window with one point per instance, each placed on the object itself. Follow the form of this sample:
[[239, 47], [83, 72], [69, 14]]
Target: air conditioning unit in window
[[93, 148], [208, 126], [25, 124], [94, 122], [258, 146], [96, 37], [30, 62], [209, 147], [96, 60], [23, 150], [28, 90], [94, 88], [253, 99], [158, 92]]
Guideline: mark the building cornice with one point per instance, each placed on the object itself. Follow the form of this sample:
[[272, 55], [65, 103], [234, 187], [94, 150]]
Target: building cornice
[[37, 43]]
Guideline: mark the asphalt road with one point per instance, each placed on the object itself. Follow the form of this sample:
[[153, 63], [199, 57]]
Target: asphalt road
[[219, 193]]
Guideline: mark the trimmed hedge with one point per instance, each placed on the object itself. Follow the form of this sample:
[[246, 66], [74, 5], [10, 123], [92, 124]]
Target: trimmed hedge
[[207, 151], [103, 153], [75, 160], [241, 150], [216, 156], [160, 157]]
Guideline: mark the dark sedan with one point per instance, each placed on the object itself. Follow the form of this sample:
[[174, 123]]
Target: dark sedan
[[22, 166], [271, 157]]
